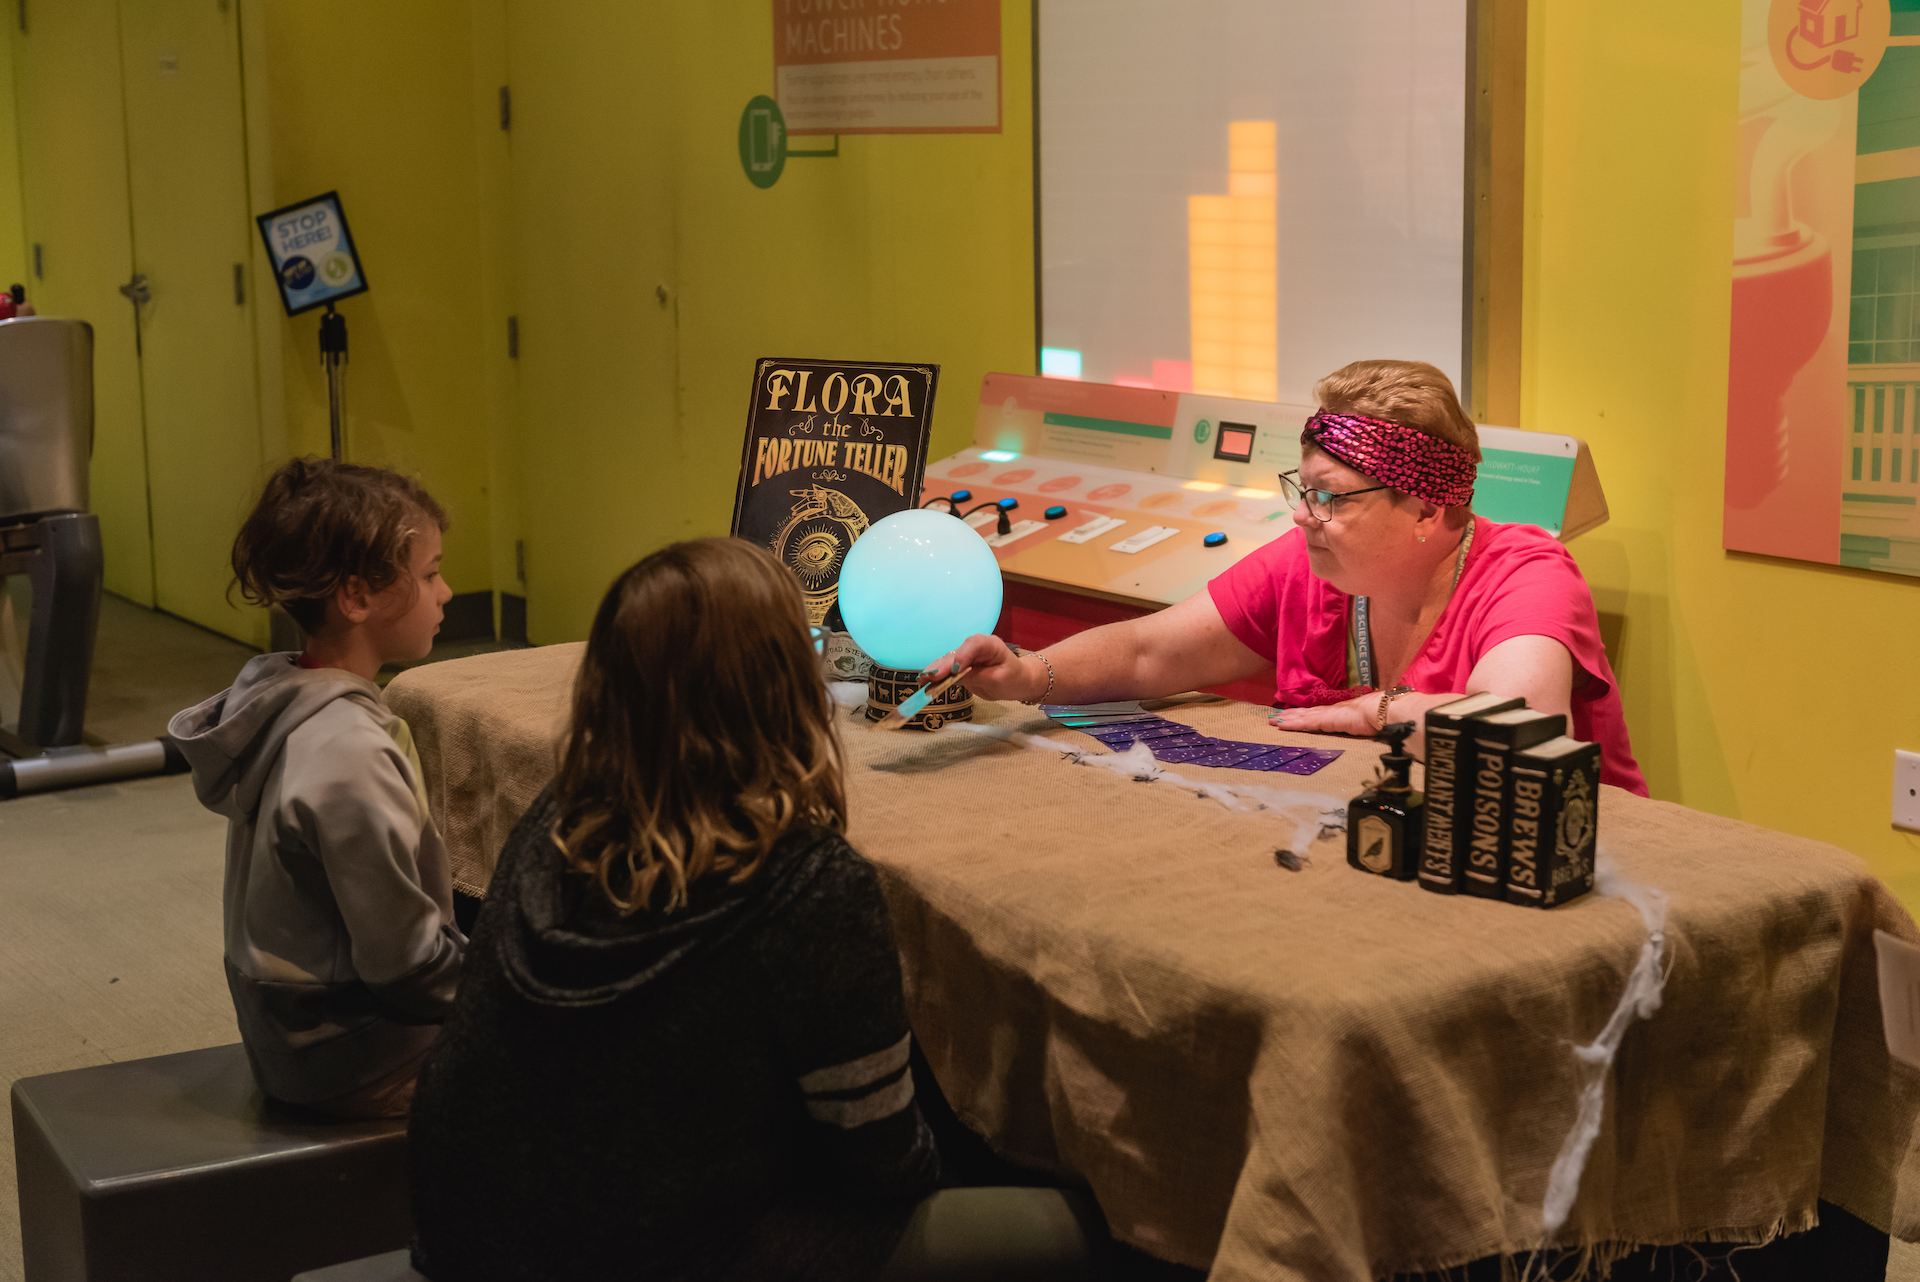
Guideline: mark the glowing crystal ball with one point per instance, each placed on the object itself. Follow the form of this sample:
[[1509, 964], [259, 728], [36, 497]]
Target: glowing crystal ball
[[916, 585]]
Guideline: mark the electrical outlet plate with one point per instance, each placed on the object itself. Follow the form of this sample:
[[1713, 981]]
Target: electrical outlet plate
[[1906, 790]]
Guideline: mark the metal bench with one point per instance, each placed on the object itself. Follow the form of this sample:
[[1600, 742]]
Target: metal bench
[[177, 1169], [394, 1266]]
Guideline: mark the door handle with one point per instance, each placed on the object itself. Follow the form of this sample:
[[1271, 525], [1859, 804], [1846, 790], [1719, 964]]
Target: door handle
[[136, 289]]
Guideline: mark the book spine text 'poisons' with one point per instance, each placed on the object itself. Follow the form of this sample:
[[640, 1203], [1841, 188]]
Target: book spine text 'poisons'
[[1486, 821]]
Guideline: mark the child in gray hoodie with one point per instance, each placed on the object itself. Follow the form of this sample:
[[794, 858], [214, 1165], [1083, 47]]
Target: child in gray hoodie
[[341, 948]]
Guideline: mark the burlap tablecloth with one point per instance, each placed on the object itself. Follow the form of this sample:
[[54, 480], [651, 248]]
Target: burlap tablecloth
[[1320, 1074]]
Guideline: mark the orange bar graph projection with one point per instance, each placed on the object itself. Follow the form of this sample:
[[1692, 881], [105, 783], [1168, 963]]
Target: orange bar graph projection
[[1233, 272]]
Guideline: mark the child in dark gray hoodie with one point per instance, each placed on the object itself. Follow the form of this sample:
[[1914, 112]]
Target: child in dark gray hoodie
[[341, 948]]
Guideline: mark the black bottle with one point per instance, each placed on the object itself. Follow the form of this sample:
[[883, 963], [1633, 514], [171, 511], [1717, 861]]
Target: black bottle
[[1385, 824]]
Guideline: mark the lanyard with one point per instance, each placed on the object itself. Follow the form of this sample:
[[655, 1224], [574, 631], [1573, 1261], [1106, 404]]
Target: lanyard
[[1363, 633]]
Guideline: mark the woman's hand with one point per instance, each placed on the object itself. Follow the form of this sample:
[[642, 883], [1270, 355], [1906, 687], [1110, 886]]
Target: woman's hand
[[1356, 716], [1361, 716], [997, 673]]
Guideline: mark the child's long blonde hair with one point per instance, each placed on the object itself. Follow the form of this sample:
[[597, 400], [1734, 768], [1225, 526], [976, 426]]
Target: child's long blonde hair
[[700, 732]]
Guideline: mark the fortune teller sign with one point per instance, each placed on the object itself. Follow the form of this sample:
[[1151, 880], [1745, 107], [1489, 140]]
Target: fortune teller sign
[[831, 447]]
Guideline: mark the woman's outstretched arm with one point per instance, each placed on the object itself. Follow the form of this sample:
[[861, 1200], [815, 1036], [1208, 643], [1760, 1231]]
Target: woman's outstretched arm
[[1184, 647], [1536, 668]]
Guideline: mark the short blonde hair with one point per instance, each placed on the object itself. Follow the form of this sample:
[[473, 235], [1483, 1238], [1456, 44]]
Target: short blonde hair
[[1411, 393]]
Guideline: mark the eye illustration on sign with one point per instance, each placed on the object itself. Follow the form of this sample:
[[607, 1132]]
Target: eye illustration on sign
[[814, 541]]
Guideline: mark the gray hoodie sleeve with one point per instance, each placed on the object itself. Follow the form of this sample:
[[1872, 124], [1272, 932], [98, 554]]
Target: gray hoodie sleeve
[[347, 792]]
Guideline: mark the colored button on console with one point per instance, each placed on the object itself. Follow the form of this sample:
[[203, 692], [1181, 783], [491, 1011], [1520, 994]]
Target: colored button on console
[[1055, 512], [1214, 540]]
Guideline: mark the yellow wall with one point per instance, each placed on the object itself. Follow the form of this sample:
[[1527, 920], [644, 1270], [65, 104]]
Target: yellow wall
[[13, 232], [615, 222], [395, 128], [627, 179], [72, 155], [1769, 690]]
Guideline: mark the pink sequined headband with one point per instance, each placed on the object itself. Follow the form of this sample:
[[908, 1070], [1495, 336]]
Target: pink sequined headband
[[1404, 457]]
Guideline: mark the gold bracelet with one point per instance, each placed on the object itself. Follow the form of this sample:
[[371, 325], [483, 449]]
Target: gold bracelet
[[1034, 703], [1387, 697]]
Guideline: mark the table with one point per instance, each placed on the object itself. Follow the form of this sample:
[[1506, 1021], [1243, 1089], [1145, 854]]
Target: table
[[1320, 1074]]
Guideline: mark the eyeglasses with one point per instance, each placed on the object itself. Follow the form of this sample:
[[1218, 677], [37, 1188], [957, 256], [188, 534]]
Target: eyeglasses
[[1319, 502]]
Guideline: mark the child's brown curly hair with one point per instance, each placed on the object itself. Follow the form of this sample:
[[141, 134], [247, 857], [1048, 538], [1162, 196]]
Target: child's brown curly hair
[[319, 523]]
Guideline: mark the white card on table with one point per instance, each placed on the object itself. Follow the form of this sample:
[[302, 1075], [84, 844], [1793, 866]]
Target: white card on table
[[1899, 995], [1092, 529], [1145, 539]]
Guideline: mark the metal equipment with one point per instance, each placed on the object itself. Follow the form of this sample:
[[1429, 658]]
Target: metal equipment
[[50, 562], [50, 565]]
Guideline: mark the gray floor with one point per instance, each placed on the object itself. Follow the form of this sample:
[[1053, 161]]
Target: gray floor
[[110, 896]]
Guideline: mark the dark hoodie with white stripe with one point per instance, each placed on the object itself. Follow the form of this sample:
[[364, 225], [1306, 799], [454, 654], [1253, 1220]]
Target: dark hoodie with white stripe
[[719, 1092], [342, 953]]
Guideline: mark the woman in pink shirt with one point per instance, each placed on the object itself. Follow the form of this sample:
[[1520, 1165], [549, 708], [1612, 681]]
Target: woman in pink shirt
[[1389, 598]]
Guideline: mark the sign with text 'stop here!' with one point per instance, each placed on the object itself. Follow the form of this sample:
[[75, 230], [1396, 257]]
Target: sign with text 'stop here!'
[[887, 66], [312, 253]]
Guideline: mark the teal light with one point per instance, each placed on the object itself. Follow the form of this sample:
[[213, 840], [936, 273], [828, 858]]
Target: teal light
[[916, 585], [998, 456], [1059, 362]]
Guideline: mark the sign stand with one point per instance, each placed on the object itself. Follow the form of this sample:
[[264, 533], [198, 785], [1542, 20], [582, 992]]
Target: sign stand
[[333, 355], [316, 265]]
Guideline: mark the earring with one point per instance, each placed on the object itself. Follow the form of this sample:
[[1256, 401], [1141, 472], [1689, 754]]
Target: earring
[[1421, 537]]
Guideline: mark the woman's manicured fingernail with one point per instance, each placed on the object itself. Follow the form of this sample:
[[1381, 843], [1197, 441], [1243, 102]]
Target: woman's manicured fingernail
[[956, 665]]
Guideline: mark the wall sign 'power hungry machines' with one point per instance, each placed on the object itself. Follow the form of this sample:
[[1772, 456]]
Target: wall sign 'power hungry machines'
[[831, 447], [316, 265]]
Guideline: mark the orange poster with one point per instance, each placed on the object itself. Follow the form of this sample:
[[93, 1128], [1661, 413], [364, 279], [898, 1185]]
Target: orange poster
[[1823, 391], [887, 66]]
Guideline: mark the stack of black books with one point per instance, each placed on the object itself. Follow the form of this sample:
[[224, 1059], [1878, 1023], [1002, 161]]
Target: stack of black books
[[1512, 804]]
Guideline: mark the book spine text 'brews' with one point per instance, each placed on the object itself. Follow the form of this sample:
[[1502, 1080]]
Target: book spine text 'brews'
[[1555, 823]]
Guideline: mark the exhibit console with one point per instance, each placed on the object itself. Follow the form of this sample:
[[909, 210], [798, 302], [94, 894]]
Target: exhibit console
[[1119, 501]]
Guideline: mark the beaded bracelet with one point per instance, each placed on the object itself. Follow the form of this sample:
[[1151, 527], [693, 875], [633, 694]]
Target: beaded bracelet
[[1034, 703]]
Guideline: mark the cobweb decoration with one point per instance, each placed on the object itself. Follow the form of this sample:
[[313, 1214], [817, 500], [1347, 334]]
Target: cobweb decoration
[[1313, 814]]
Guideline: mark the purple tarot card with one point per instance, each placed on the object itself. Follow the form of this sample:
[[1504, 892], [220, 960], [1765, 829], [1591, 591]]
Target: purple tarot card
[[1272, 757], [1205, 753], [1096, 724], [1159, 747], [1235, 756], [1128, 731], [1310, 761], [1191, 739], [1093, 711], [1158, 730]]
